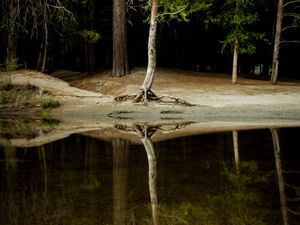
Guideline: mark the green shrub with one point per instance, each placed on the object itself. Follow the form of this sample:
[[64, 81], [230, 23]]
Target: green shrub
[[47, 123], [5, 82], [12, 64], [4, 97], [24, 99], [49, 103]]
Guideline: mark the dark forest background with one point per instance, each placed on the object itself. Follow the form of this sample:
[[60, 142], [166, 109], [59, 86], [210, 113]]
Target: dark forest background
[[189, 45]]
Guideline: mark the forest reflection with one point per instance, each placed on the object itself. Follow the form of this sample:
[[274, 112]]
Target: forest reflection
[[218, 178]]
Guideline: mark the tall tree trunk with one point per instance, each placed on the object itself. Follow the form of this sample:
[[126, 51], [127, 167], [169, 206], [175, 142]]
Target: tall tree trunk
[[11, 51], [46, 42], [89, 45], [236, 46], [39, 60], [235, 62], [120, 55], [275, 62], [151, 67]]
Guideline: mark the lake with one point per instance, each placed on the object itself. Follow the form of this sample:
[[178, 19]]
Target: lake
[[142, 173]]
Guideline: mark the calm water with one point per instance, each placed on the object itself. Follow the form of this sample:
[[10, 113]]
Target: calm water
[[203, 179]]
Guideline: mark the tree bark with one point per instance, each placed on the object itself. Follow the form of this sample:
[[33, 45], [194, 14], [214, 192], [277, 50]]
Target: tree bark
[[151, 67], [120, 54], [236, 46], [46, 42], [275, 62], [89, 45], [235, 62], [11, 51]]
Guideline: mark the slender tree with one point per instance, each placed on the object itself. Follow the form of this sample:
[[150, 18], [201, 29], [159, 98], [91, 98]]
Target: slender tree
[[238, 18], [236, 46], [275, 61], [12, 16], [282, 7], [120, 55], [173, 9], [145, 90], [90, 42]]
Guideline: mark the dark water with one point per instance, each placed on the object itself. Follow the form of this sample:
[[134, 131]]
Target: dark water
[[193, 180]]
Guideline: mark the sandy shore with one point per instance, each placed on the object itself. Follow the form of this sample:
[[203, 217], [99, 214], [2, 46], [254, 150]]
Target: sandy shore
[[88, 107], [212, 95]]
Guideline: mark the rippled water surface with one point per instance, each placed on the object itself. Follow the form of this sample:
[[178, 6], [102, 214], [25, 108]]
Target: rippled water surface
[[233, 177]]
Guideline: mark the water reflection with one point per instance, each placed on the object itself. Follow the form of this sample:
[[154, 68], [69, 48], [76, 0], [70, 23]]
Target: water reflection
[[285, 210], [120, 180], [101, 177], [236, 149], [145, 133]]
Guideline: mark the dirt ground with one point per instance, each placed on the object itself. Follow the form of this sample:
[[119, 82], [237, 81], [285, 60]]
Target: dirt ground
[[194, 87], [83, 93], [176, 81]]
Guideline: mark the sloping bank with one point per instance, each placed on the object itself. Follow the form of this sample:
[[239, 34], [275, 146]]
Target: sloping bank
[[280, 107]]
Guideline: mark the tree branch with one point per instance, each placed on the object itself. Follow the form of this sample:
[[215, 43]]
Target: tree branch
[[291, 2], [61, 7], [295, 42], [174, 13], [290, 27], [294, 15]]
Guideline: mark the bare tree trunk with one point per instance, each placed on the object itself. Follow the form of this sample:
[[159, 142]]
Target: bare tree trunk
[[11, 51], [39, 60], [89, 45], [86, 48], [92, 45], [46, 41], [148, 81], [275, 62], [280, 178], [236, 47], [235, 62], [120, 55]]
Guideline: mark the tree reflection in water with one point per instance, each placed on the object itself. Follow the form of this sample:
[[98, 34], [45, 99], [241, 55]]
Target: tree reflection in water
[[65, 185], [145, 133], [120, 180]]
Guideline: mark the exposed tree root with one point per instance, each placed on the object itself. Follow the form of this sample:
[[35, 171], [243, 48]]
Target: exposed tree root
[[148, 96], [144, 96]]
